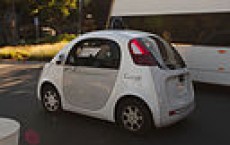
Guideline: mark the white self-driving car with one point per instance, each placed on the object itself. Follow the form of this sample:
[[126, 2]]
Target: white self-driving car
[[132, 78]]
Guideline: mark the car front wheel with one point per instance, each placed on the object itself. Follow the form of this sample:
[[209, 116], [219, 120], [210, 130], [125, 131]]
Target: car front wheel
[[51, 99]]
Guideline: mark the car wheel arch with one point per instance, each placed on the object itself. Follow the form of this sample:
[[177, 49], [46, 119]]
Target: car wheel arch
[[47, 84], [127, 97]]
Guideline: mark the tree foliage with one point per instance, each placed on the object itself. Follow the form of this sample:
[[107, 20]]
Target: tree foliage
[[59, 15], [54, 13], [63, 7]]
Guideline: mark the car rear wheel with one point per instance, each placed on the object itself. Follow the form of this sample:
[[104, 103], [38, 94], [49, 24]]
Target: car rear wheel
[[134, 116], [51, 99]]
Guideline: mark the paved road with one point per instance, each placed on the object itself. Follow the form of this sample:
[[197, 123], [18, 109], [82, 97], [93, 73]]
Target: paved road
[[208, 125]]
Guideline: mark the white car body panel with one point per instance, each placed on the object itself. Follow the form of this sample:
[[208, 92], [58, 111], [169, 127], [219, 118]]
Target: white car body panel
[[96, 80], [147, 83]]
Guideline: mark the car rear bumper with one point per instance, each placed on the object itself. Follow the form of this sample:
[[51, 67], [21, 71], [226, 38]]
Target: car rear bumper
[[172, 116]]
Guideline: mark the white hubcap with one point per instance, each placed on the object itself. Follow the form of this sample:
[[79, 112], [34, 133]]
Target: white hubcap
[[51, 101], [132, 118]]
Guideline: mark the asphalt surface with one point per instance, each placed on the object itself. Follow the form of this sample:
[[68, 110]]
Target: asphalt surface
[[208, 125]]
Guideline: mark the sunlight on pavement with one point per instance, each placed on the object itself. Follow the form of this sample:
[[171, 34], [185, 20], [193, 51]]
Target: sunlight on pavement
[[15, 75]]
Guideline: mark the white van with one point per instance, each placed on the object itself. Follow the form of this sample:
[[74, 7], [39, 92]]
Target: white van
[[199, 30], [209, 62]]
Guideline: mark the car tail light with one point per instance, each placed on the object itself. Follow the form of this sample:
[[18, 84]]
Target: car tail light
[[171, 113], [140, 54]]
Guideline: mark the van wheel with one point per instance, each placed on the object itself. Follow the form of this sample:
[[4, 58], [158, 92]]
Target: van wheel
[[51, 99], [134, 116]]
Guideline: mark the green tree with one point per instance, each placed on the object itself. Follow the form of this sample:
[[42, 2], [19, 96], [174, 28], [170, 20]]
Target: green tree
[[54, 13]]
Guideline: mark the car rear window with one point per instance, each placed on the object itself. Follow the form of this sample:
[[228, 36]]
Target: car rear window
[[164, 53]]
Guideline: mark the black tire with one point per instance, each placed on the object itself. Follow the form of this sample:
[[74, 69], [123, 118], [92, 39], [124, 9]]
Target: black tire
[[51, 99], [134, 116]]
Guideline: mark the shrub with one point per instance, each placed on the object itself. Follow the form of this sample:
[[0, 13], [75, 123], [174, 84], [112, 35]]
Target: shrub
[[58, 38], [44, 52], [18, 54]]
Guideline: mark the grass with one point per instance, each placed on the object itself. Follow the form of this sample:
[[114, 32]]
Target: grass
[[42, 52], [47, 48]]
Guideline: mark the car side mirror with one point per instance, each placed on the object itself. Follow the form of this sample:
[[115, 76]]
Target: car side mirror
[[60, 59]]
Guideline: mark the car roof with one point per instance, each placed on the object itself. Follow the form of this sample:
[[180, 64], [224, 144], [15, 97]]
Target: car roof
[[118, 33], [114, 34]]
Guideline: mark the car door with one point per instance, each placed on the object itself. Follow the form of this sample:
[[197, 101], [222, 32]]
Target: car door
[[90, 73]]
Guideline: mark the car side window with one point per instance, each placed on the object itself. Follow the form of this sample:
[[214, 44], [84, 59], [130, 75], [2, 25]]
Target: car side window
[[95, 53]]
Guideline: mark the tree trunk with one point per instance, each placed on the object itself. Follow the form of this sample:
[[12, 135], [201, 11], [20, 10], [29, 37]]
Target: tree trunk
[[10, 25]]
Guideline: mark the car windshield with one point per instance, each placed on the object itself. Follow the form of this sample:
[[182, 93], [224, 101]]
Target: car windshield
[[164, 53]]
